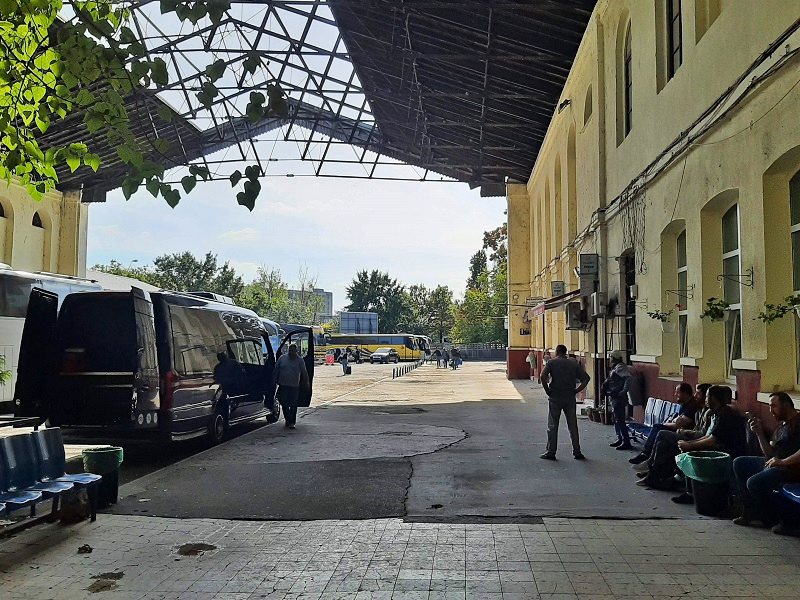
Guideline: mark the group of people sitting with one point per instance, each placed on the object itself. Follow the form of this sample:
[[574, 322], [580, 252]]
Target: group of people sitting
[[707, 421]]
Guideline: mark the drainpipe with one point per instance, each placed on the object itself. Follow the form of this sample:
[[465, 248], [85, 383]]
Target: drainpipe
[[602, 195]]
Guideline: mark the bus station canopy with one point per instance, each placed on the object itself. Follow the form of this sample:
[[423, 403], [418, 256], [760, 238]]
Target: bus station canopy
[[459, 90]]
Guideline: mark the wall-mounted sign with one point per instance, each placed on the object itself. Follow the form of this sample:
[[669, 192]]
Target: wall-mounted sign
[[589, 265], [505, 322], [533, 300], [524, 331], [558, 288]]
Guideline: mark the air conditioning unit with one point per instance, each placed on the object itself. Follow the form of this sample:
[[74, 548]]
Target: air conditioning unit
[[598, 304], [575, 315]]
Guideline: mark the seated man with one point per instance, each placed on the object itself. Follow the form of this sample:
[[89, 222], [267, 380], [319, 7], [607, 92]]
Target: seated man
[[725, 432], [665, 447], [683, 419], [759, 477]]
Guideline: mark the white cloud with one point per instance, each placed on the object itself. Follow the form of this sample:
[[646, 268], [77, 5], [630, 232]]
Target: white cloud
[[242, 236]]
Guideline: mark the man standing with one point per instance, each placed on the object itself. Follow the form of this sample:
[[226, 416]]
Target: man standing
[[559, 378], [759, 477], [616, 387], [290, 375]]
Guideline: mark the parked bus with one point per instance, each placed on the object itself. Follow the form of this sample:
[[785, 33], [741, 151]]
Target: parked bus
[[15, 289], [164, 363], [407, 345]]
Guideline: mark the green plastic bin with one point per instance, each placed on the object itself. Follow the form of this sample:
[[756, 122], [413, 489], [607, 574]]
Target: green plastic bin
[[710, 472], [105, 461]]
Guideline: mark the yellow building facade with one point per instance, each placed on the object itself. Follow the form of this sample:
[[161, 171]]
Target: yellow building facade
[[672, 161], [49, 235]]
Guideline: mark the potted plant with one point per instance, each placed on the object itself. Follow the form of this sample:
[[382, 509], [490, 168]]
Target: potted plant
[[716, 309], [773, 312], [663, 316]]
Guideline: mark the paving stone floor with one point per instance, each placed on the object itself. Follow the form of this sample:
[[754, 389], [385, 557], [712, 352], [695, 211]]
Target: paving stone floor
[[137, 558]]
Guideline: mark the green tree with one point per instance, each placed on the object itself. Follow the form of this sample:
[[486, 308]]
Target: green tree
[[87, 65], [480, 316], [5, 374], [183, 272], [442, 315], [377, 292], [115, 267], [267, 295], [495, 241], [477, 267]]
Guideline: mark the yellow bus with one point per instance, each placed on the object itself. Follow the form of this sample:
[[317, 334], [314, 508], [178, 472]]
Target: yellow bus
[[407, 345]]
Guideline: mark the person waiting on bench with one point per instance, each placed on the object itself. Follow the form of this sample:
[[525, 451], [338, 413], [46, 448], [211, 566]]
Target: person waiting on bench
[[725, 433], [759, 477], [685, 396], [616, 387]]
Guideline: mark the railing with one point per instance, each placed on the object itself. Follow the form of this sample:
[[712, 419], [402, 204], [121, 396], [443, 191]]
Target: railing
[[401, 370], [482, 351]]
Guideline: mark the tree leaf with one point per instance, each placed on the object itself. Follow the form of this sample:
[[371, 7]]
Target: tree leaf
[[153, 186], [252, 172], [73, 162], [172, 197], [216, 69], [235, 178], [158, 71], [92, 161], [129, 187], [188, 183]]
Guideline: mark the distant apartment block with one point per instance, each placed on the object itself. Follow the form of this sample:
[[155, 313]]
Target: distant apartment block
[[327, 308]]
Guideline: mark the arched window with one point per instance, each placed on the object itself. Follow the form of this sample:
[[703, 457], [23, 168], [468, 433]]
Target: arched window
[[794, 205], [37, 221], [682, 293], [627, 83], [731, 288]]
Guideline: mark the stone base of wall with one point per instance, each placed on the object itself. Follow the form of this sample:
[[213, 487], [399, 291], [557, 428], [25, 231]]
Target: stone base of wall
[[516, 367]]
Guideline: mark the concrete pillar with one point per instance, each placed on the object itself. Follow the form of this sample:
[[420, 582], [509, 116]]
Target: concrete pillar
[[519, 277], [72, 235]]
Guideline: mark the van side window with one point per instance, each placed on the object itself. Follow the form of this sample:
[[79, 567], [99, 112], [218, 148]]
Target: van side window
[[197, 337], [245, 352]]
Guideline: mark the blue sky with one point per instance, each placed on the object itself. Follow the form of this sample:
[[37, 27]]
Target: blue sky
[[418, 232]]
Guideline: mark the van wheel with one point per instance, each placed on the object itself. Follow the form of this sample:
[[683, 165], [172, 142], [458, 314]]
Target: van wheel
[[275, 415], [218, 425]]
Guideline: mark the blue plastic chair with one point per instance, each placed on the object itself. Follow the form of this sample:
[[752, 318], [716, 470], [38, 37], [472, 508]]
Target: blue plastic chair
[[19, 458], [13, 499], [791, 491], [52, 460]]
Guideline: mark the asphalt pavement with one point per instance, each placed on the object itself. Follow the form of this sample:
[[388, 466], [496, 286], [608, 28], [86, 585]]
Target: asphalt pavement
[[433, 445]]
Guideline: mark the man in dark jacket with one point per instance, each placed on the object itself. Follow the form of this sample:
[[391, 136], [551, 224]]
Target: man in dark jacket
[[560, 377]]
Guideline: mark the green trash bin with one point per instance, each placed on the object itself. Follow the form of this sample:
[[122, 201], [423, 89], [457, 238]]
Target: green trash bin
[[105, 461], [710, 472]]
